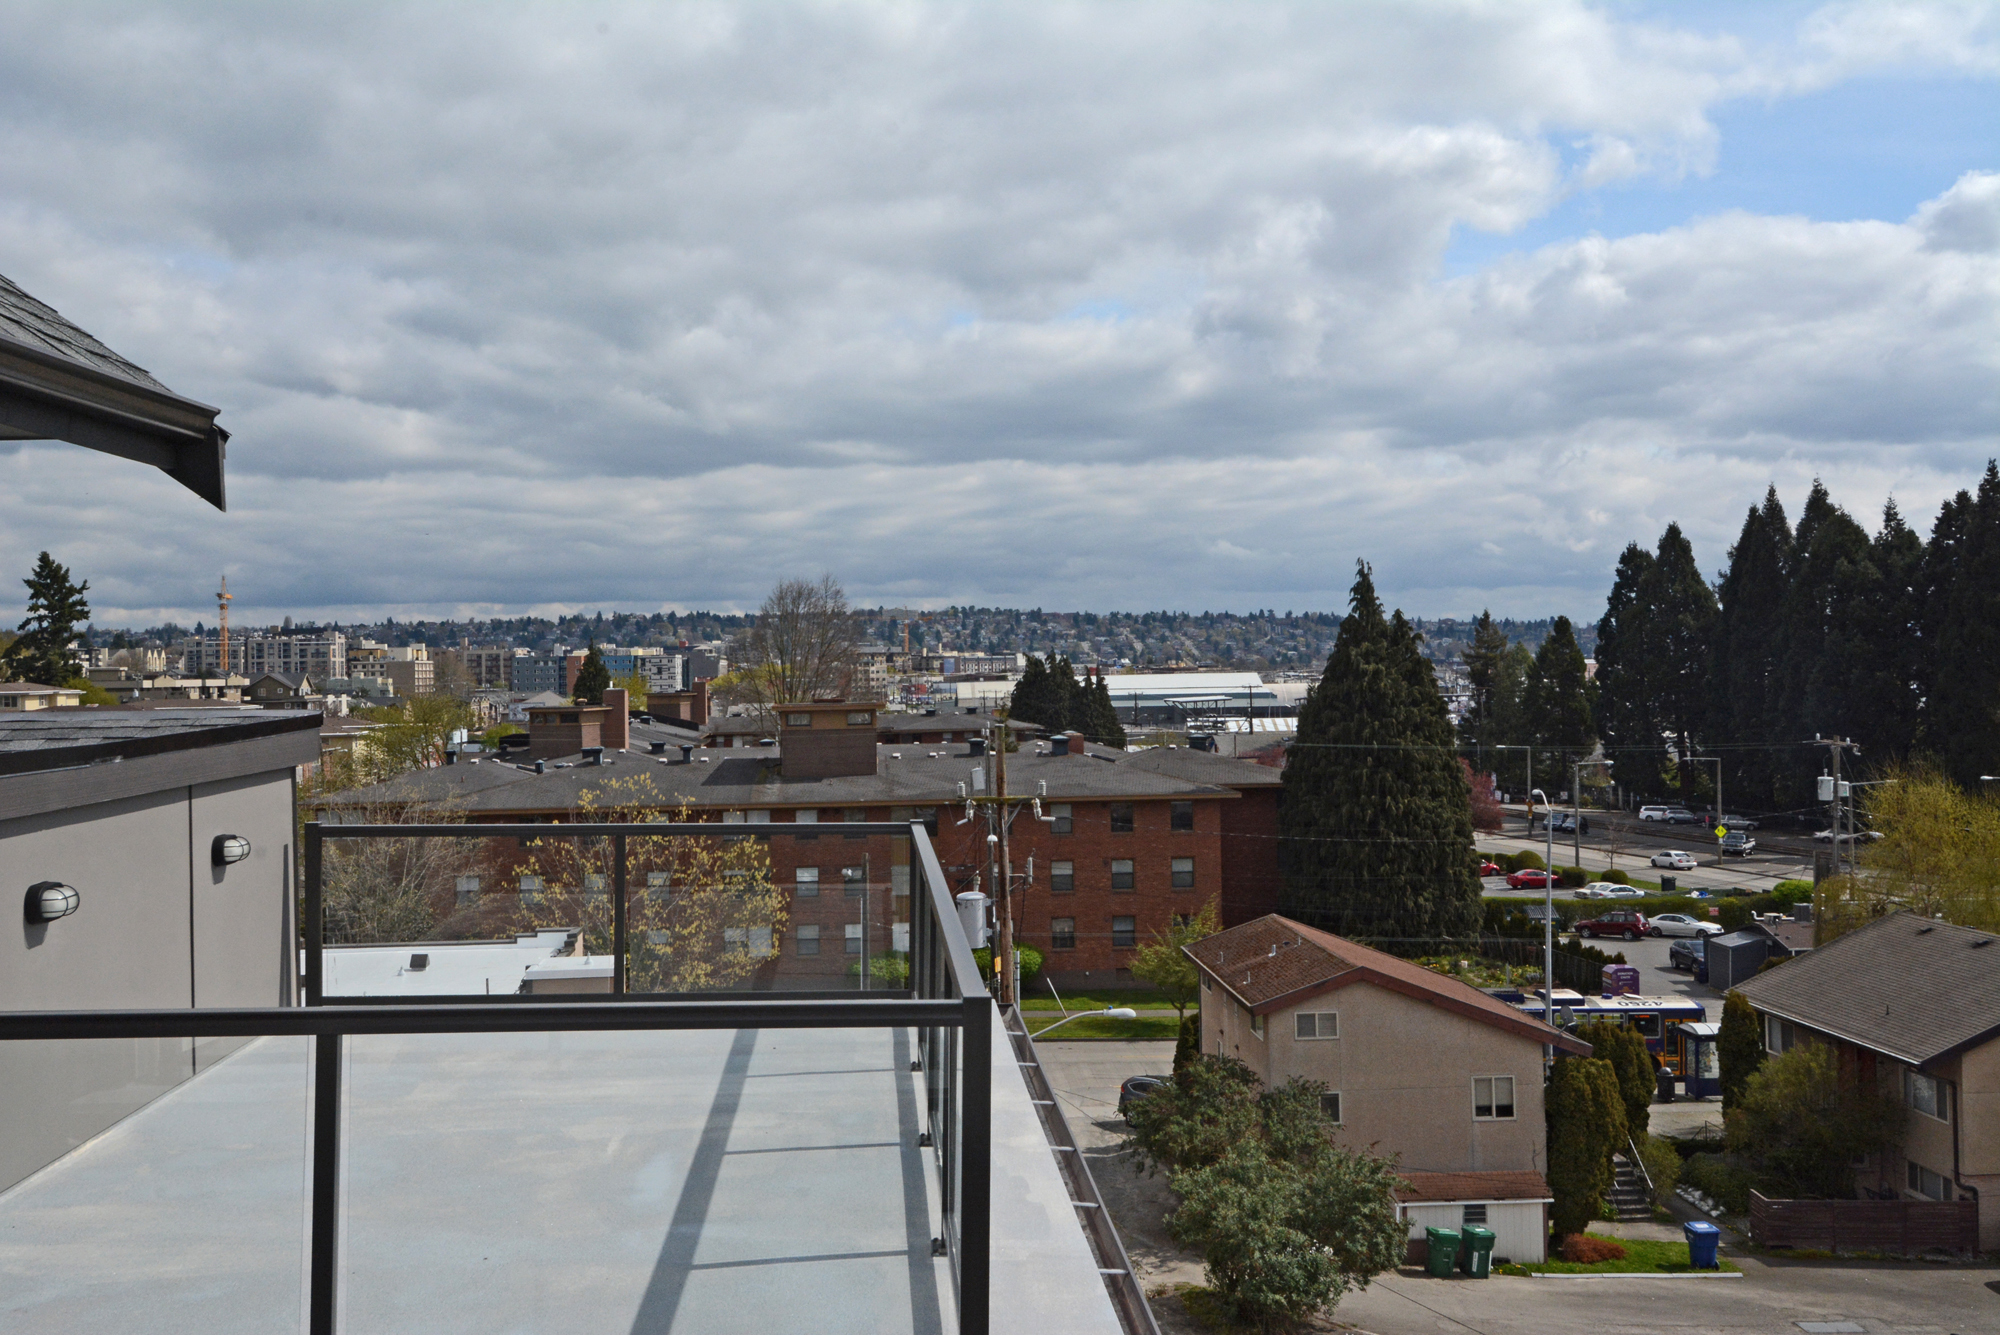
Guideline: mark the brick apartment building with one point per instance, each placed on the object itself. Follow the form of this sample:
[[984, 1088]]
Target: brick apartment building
[[1125, 841]]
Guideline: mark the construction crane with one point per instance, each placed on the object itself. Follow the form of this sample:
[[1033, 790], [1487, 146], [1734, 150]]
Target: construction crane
[[222, 597]]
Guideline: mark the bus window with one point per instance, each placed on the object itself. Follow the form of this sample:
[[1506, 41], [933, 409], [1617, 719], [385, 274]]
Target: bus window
[[1647, 1025]]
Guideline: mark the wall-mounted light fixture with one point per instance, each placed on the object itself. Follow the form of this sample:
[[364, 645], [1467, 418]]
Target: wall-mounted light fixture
[[230, 848], [49, 900]]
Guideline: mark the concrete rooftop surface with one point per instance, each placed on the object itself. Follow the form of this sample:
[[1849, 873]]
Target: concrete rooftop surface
[[748, 1180]]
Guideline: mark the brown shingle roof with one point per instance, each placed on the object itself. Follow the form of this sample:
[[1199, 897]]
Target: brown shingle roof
[[1907, 986], [1521, 1186], [1273, 963]]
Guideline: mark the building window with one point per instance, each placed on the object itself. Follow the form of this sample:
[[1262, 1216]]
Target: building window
[[1183, 873], [1780, 1036], [748, 940], [861, 718], [531, 889], [1926, 1095], [1493, 1097], [1329, 1103], [1475, 1215], [853, 931], [1124, 933], [798, 720], [1062, 877], [806, 816], [1062, 933], [808, 938], [594, 883], [1207, 983], [1181, 816], [657, 883], [1256, 1024], [1319, 1024], [805, 882], [468, 890], [1928, 1184], [1121, 818], [1061, 823], [854, 816], [852, 881], [1121, 874]]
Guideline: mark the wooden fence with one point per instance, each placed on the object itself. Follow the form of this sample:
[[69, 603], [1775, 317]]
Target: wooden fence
[[1906, 1227]]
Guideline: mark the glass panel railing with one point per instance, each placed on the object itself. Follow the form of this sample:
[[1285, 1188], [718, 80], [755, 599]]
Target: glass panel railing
[[155, 1184]]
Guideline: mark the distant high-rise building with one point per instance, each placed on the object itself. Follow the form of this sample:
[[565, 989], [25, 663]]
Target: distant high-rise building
[[318, 655]]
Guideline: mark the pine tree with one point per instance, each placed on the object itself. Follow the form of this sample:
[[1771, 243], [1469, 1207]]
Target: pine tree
[[1034, 698], [1680, 617], [1560, 703], [1745, 666], [1628, 717], [1962, 632], [1484, 663], [1374, 813], [1100, 717], [55, 606], [593, 678], [1831, 571]]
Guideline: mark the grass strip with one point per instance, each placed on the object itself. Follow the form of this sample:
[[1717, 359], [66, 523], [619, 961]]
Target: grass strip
[[1643, 1256]]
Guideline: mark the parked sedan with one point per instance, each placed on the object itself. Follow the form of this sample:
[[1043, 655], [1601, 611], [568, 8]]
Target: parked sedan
[[1627, 923], [1488, 867], [1863, 836], [1679, 924], [1627, 892], [1136, 1088], [1599, 890], [1528, 879], [1675, 860]]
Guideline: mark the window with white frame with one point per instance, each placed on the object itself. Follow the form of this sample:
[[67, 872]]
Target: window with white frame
[[1319, 1024], [658, 883], [1061, 823], [1780, 1036], [1928, 1184], [1124, 933], [805, 882], [1062, 933], [750, 940], [468, 890], [1926, 1094], [806, 816], [595, 883], [1121, 874], [853, 931], [806, 935], [1329, 1103], [1493, 1097], [1062, 877], [1183, 873], [1256, 1024]]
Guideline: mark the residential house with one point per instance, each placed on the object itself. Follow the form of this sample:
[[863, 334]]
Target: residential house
[[1912, 1006], [25, 696], [1415, 1064]]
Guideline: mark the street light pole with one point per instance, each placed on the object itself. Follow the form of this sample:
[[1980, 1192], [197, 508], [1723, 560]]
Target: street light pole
[[1548, 924]]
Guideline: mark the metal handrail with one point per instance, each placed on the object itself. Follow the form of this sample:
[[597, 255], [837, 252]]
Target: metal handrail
[[1652, 1192]]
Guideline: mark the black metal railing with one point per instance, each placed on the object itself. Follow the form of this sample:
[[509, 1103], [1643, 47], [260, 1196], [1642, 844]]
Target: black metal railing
[[946, 1004]]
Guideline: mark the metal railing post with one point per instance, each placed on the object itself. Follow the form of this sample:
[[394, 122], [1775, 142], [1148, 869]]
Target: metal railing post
[[324, 1287], [975, 1227], [315, 925], [618, 915]]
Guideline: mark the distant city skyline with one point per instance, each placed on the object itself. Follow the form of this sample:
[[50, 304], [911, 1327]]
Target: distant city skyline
[[573, 307]]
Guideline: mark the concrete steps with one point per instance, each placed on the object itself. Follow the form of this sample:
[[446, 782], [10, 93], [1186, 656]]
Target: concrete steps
[[1627, 1198]]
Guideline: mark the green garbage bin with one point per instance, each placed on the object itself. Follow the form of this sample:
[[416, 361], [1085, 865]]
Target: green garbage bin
[[1444, 1251], [1475, 1251]]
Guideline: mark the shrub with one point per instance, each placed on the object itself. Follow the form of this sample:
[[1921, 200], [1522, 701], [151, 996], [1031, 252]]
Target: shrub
[[1192, 1120], [1031, 963], [1588, 1249], [1188, 1046], [1721, 1179], [1572, 878], [1626, 1050], [1804, 1127], [1739, 1046], [1526, 862], [1586, 1123], [888, 970], [1789, 893], [1616, 877], [1735, 915], [1663, 1165]]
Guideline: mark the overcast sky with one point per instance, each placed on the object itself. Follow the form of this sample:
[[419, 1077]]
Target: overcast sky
[[1130, 306]]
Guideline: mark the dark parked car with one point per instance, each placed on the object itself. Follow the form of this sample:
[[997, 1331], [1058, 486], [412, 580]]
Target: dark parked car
[[1738, 844], [1685, 952], [1566, 822], [1135, 1088], [1627, 923]]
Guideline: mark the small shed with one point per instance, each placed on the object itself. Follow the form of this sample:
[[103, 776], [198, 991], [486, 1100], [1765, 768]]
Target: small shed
[[1735, 958], [1515, 1205]]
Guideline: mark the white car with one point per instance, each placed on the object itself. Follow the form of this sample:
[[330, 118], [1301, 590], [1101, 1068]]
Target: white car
[[1865, 836], [1675, 860], [1679, 924], [1598, 890], [1627, 892]]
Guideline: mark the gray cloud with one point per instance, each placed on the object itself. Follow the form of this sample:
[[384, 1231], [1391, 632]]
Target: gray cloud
[[1100, 306]]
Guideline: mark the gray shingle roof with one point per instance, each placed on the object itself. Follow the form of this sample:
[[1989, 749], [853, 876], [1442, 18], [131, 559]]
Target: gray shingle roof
[[58, 738], [1206, 767], [1910, 987], [38, 325]]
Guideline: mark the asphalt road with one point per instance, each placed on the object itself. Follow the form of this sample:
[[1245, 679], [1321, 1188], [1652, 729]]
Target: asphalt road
[[1772, 1298]]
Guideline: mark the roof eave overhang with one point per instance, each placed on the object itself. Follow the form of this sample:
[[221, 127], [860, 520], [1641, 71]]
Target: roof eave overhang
[[45, 397]]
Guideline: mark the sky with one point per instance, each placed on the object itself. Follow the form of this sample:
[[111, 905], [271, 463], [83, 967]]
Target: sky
[[536, 308]]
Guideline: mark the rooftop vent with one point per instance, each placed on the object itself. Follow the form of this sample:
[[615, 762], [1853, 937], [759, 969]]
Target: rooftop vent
[[978, 746], [687, 753], [1982, 941], [541, 767], [658, 748], [593, 755], [419, 962], [451, 757]]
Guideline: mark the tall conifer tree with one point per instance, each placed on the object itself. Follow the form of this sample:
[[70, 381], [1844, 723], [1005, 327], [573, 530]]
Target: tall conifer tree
[[1744, 672], [1628, 716], [1962, 632], [55, 605], [1680, 615], [1375, 812], [1560, 705]]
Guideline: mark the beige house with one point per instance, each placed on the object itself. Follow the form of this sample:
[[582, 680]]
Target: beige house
[[1911, 1005], [1416, 1065], [24, 695]]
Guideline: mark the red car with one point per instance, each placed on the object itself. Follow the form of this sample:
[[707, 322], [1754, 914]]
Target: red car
[[1627, 923], [1488, 867], [1529, 879]]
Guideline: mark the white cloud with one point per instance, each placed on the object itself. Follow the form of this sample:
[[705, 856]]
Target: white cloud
[[1075, 306]]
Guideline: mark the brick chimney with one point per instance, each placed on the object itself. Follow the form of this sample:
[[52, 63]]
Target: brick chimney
[[563, 730], [688, 707], [617, 730]]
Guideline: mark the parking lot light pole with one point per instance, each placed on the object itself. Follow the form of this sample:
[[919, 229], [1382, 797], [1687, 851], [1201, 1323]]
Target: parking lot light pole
[[1548, 925]]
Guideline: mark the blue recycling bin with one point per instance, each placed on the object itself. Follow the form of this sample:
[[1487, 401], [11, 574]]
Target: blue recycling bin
[[1702, 1237]]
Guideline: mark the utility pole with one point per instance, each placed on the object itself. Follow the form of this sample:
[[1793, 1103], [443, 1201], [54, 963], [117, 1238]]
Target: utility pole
[[1834, 746], [1717, 762], [1005, 967]]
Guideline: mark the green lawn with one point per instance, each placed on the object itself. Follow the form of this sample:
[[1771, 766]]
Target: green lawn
[[1642, 1256], [1099, 1027]]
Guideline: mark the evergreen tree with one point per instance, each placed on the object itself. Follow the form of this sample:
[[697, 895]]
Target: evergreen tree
[[1745, 664], [1739, 1047], [1497, 671], [1680, 616], [1585, 1126], [1034, 699], [1886, 623], [593, 678], [1627, 715], [1560, 703], [1484, 662], [1100, 717], [1374, 813], [1962, 632], [55, 606], [1823, 663]]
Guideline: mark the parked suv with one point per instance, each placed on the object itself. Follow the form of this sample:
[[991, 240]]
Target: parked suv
[[1563, 822], [1627, 923], [1690, 953]]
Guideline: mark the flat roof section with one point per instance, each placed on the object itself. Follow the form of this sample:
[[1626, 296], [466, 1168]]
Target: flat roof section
[[745, 1180]]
